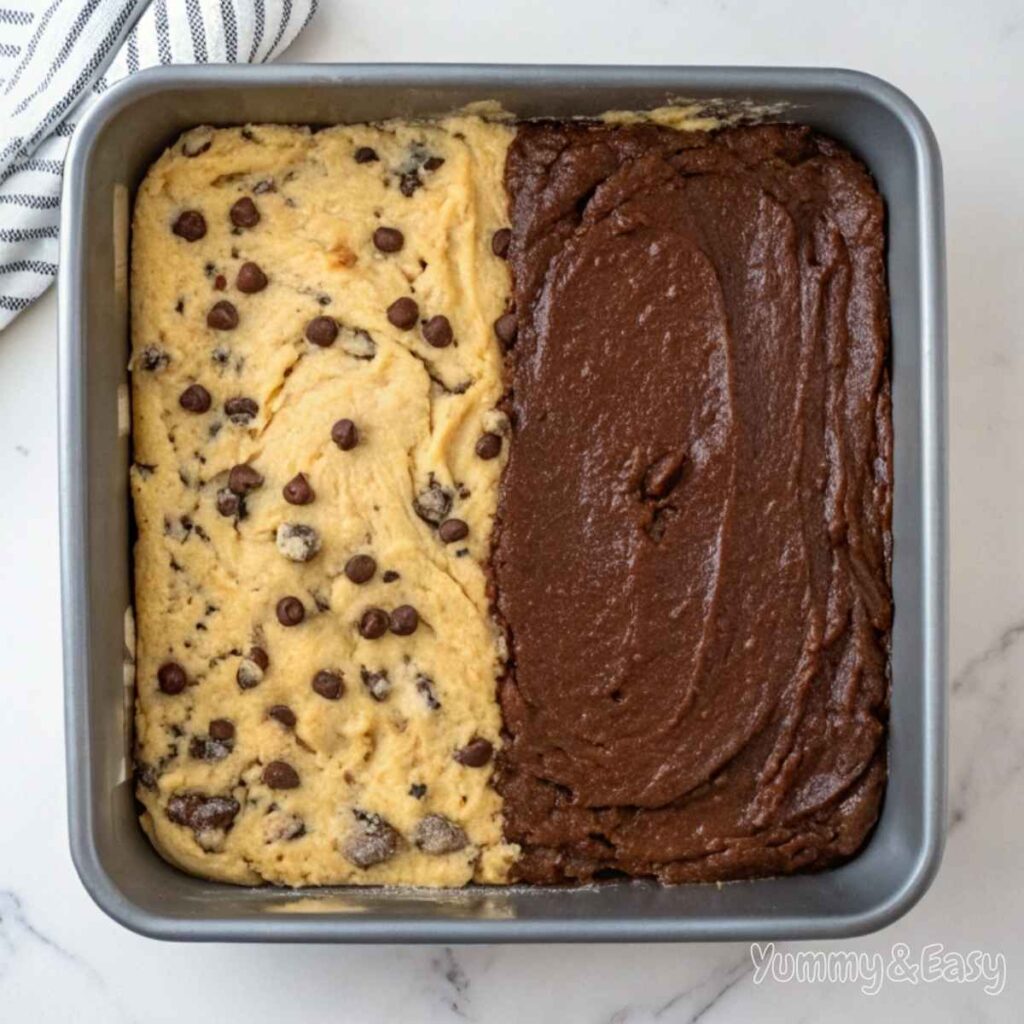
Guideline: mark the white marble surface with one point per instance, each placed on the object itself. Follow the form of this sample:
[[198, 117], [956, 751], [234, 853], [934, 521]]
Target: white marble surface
[[61, 959]]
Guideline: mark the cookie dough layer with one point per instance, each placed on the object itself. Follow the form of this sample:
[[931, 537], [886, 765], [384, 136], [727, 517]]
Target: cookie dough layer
[[319, 752], [694, 545]]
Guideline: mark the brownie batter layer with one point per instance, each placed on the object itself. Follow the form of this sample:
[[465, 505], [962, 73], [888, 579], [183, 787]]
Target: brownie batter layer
[[693, 550]]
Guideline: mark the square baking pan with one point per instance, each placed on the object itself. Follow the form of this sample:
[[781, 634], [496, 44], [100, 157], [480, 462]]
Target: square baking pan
[[114, 145]]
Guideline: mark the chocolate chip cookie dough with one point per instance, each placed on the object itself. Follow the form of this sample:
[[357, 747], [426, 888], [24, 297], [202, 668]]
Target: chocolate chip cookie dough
[[317, 453], [694, 540]]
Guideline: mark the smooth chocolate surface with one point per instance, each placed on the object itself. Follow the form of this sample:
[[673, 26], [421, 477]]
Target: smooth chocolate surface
[[693, 546]]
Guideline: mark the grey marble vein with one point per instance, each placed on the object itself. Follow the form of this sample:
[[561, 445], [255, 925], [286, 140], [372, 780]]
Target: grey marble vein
[[14, 922], [708, 992], [987, 715], [732, 978], [16, 930], [1004, 643], [455, 981]]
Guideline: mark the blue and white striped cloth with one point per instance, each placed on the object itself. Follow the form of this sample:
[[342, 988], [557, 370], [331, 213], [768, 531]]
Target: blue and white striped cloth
[[57, 56]]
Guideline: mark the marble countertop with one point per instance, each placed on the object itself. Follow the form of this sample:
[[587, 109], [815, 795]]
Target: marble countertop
[[963, 62]]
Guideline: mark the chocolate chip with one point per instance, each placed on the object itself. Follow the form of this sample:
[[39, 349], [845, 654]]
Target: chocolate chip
[[388, 239], [506, 327], [476, 753], [322, 330], [433, 503], [153, 358], [222, 316], [297, 541], [345, 434], [222, 729], [220, 282], [250, 672], [438, 332], [201, 813], [250, 278], [244, 213], [180, 808], [371, 841], [243, 479], [377, 683], [436, 835], [488, 446], [290, 611], [280, 775], [500, 241], [330, 685], [241, 410], [366, 155], [298, 490], [390, 576], [452, 530], [206, 748], [417, 791], [408, 182], [360, 568], [227, 503], [404, 620], [215, 812], [283, 714], [195, 398], [145, 775], [432, 163], [171, 678], [425, 688], [373, 624], [403, 313], [260, 656], [190, 225]]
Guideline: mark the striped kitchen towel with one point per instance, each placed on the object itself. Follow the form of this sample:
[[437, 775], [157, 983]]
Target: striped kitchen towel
[[57, 56]]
